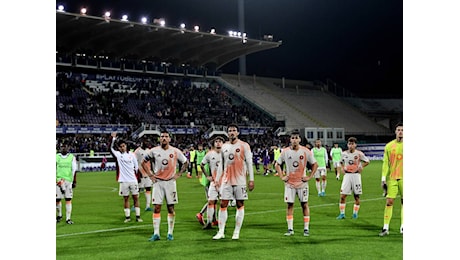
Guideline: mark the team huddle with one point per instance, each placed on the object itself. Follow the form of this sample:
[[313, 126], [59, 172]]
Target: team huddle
[[228, 174]]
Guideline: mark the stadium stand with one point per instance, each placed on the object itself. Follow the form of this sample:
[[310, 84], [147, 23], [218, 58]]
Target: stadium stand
[[107, 85]]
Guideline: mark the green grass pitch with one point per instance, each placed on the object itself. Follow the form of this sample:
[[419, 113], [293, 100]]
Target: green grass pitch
[[99, 231]]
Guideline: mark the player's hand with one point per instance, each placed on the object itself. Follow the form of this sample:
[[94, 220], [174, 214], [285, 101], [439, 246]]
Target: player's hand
[[385, 188], [306, 178], [285, 178], [251, 185]]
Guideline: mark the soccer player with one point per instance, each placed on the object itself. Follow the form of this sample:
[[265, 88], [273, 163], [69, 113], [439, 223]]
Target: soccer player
[[276, 155], [320, 154], [214, 161], [127, 170], [353, 161], [295, 158], [192, 162], [166, 158], [66, 168], [200, 153], [237, 162], [145, 169], [392, 178], [336, 155]]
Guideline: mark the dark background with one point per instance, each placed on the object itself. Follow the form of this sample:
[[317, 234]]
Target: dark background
[[358, 44]]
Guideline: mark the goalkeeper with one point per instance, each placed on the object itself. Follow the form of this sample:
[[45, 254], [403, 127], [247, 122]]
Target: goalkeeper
[[392, 178]]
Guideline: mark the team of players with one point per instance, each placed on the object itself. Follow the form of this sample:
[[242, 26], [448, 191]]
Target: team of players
[[229, 166]]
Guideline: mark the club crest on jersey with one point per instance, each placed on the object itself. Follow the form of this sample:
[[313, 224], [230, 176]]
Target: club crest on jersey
[[301, 157], [237, 150], [356, 157], [171, 156]]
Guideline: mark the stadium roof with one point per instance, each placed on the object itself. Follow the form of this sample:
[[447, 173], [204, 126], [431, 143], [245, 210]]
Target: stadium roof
[[77, 33]]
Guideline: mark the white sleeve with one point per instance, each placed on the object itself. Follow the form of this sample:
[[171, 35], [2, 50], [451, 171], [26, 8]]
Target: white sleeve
[[248, 159]]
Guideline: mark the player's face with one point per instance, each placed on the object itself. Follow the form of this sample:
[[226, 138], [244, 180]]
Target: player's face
[[122, 147], [318, 143], [351, 145], [232, 133], [64, 149], [218, 144], [295, 140], [399, 132], [165, 139]]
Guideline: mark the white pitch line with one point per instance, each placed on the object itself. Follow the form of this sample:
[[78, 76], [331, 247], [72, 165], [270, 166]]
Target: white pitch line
[[247, 213]]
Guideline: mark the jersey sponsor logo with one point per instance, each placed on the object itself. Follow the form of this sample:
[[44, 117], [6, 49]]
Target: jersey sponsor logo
[[231, 156], [295, 164], [164, 162]]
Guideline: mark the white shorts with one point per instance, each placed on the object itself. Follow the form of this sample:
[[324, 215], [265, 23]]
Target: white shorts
[[146, 182], [228, 192], [128, 187], [290, 193], [351, 183], [337, 164], [165, 189], [64, 190], [213, 194], [320, 171]]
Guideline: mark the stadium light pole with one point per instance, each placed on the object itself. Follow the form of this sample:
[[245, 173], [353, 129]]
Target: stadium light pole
[[242, 59]]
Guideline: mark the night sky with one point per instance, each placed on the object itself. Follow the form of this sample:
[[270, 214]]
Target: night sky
[[356, 43]]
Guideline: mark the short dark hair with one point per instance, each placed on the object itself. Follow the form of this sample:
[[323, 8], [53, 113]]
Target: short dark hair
[[398, 124], [219, 137], [121, 141], [295, 132], [352, 140], [233, 125]]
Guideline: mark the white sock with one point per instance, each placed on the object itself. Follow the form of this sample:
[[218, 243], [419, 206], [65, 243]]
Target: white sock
[[239, 217], [68, 210], [223, 215]]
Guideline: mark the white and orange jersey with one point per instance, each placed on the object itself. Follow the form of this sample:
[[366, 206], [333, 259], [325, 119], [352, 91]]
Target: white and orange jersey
[[166, 161], [214, 160], [145, 167], [296, 163], [237, 161], [352, 161]]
